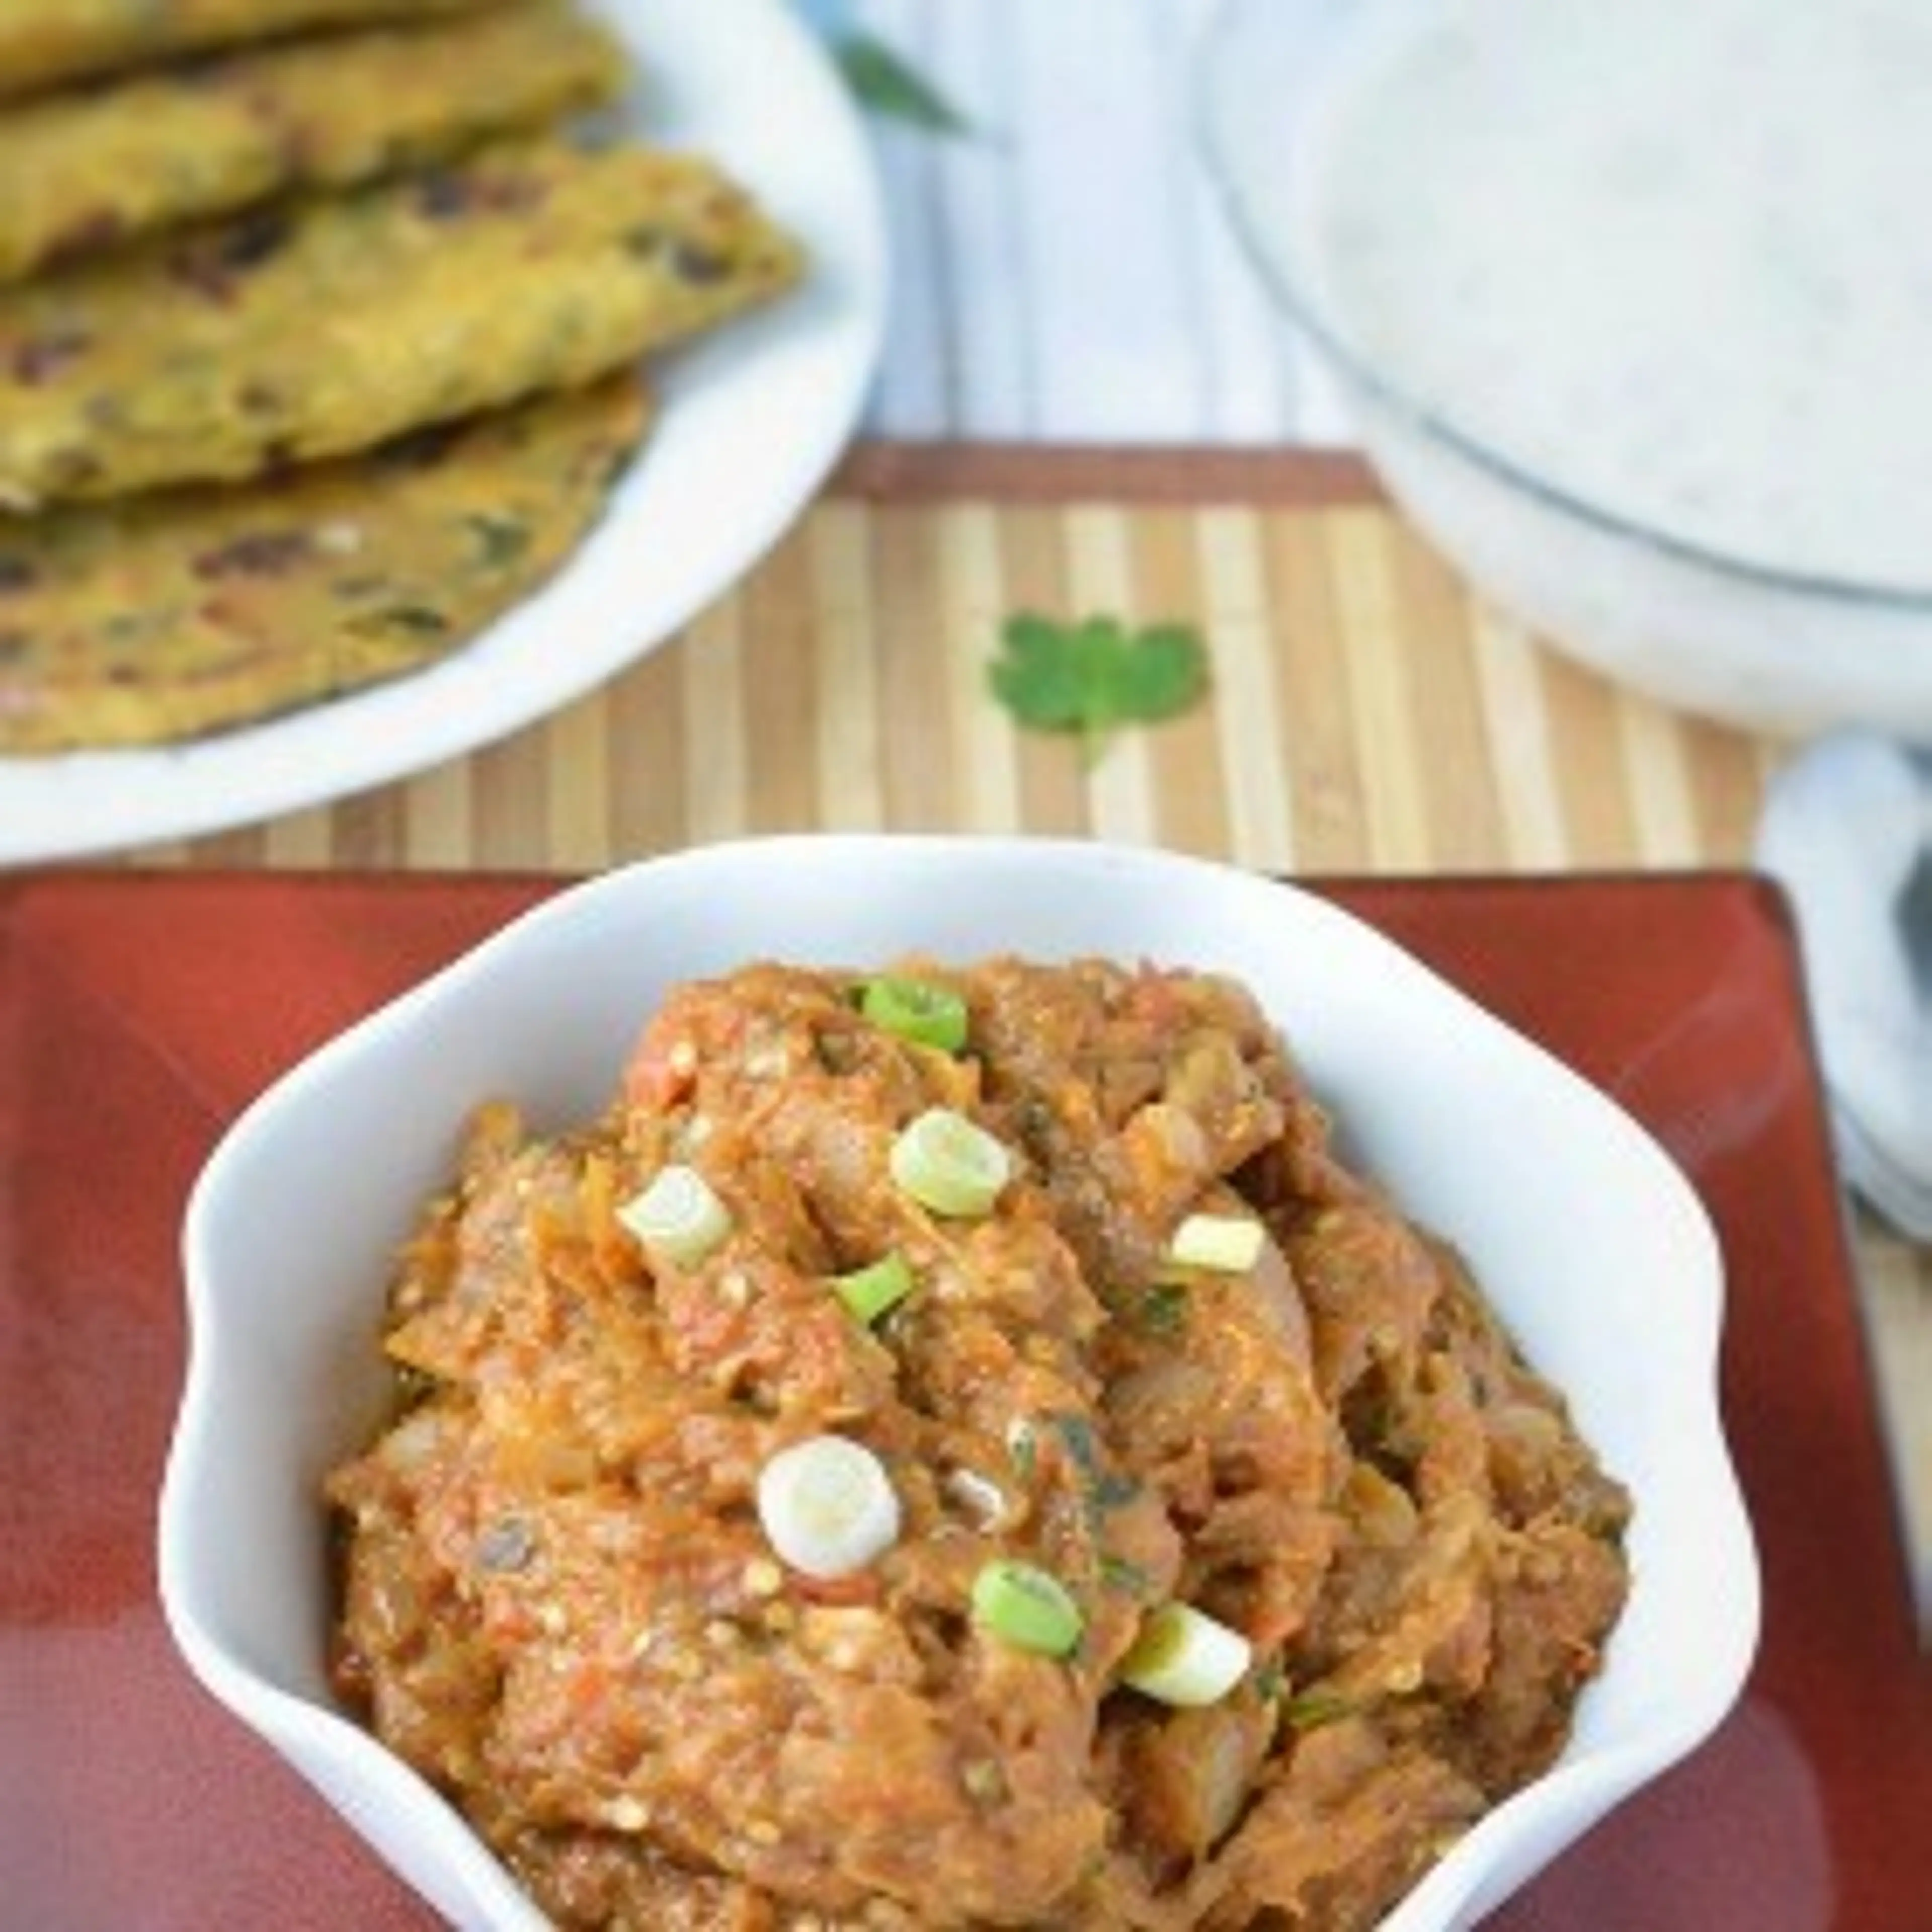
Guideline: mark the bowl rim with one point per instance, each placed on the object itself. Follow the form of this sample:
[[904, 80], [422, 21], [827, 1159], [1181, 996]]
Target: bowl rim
[[1584, 1786], [1218, 32]]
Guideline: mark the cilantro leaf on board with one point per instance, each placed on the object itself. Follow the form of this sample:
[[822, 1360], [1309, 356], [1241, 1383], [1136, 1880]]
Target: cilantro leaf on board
[[886, 82], [1092, 677]]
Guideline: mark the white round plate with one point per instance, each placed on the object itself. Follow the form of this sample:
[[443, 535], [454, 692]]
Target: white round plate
[[752, 418]]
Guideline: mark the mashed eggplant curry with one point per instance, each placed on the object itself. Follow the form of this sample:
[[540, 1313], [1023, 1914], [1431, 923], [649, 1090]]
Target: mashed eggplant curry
[[957, 1448]]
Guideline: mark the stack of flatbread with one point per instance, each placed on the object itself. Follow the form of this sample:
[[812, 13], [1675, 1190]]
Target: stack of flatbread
[[323, 331]]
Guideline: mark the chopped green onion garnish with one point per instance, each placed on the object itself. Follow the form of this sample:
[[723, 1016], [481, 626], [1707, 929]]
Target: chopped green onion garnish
[[1183, 1656], [827, 1506], [869, 1292], [1026, 1608], [949, 1164], [677, 1217], [920, 1010], [1226, 1244]]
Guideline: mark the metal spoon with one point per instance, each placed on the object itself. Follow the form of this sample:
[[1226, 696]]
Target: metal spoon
[[1847, 830]]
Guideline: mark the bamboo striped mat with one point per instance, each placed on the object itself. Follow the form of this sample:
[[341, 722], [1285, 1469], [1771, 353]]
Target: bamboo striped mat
[[1366, 714]]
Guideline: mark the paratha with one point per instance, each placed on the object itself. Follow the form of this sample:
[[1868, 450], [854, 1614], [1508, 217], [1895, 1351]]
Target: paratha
[[44, 41], [167, 617], [298, 331], [151, 150]]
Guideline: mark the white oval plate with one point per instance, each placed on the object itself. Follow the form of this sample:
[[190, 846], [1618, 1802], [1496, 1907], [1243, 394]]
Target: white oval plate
[[752, 418]]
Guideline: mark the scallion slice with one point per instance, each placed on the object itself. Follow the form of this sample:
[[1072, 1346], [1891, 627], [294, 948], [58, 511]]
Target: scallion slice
[[950, 1164], [1026, 1607], [1184, 1657], [869, 1292], [920, 1010], [827, 1506], [1224, 1243], [678, 1217]]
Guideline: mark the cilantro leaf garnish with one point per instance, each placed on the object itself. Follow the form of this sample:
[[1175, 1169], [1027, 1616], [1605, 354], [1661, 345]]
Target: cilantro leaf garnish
[[886, 82], [1091, 678]]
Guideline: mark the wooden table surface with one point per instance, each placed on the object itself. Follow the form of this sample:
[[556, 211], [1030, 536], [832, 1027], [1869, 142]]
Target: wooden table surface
[[1367, 715]]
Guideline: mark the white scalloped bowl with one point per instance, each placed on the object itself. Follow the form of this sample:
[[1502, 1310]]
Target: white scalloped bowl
[[1585, 1234]]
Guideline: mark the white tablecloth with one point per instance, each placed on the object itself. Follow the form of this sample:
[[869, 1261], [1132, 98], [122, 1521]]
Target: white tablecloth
[[1063, 273]]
